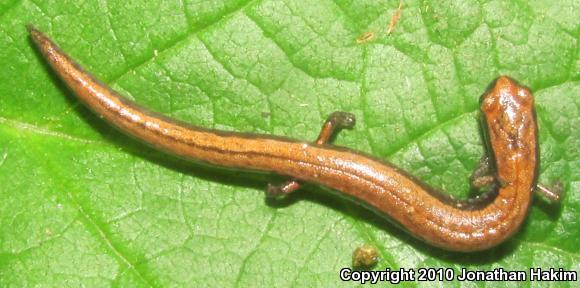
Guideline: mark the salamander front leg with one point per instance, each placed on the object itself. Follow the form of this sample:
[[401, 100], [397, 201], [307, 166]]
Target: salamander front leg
[[554, 193], [483, 177], [335, 122]]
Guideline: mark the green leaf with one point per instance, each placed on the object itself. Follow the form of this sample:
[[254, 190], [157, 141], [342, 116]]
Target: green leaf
[[82, 204]]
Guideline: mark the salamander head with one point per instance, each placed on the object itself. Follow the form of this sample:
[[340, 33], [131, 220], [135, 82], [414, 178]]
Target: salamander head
[[508, 110], [506, 96]]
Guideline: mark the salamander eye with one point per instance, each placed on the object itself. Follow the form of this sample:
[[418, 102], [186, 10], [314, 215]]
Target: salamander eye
[[525, 96], [488, 102]]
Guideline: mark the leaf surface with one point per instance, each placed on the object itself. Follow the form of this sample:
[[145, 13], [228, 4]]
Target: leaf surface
[[82, 204]]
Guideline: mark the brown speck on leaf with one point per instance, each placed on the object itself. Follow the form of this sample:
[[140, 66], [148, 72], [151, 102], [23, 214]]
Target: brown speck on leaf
[[266, 114], [365, 256], [395, 18], [365, 37]]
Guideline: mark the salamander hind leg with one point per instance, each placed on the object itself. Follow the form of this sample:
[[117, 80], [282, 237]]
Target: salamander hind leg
[[334, 123], [281, 190]]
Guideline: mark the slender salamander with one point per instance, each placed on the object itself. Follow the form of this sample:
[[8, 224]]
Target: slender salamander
[[457, 225]]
